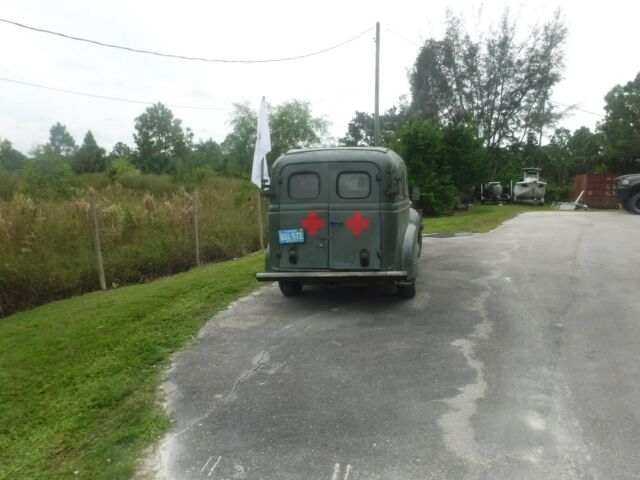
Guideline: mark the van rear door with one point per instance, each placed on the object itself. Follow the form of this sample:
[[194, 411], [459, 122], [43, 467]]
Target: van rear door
[[354, 216], [303, 196]]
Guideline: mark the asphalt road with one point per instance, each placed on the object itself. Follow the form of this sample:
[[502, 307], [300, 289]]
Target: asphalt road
[[519, 358]]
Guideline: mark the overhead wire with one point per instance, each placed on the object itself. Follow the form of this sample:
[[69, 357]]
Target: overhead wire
[[573, 107], [402, 37], [143, 102], [106, 97], [196, 107], [183, 57], [201, 59]]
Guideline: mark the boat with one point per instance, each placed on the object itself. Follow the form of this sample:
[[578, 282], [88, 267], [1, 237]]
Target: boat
[[531, 188], [491, 192]]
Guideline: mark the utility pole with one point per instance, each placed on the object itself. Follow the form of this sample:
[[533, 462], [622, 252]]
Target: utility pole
[[376, 118]]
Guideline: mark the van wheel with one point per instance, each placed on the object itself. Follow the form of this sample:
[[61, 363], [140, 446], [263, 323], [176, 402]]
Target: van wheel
[[407, 290], [633, 203], [290, 288]]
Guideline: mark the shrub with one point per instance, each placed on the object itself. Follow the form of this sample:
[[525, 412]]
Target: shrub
[[119, 167], [9, 184], [149, 182]]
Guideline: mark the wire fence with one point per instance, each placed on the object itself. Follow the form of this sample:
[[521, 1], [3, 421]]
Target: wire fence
[[109, 237]]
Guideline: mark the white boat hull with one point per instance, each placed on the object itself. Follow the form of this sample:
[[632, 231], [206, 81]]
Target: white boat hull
[[531, 190]]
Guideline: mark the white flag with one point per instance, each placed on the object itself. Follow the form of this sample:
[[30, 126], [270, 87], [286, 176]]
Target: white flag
[[263, 146]]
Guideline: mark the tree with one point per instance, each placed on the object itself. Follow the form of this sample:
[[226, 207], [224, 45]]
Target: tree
[[204, 160], [360, 131], [586, 149], [89, 158], [49, 174], [621, 127], [239, 144], [160, 139], [291, 123], [61, 140], [293, 126], [420, 143], [499, 85], [206, 153], [465, 156], [11, 159], [560, 163], [121, 150]]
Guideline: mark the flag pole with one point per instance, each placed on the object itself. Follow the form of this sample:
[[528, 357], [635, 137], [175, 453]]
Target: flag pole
[[260, 220], [258, 173]]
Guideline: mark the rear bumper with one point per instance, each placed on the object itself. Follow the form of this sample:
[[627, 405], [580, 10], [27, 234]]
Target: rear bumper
[[354, 276]]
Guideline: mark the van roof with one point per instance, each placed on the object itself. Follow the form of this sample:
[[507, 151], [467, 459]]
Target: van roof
[[381, 156]]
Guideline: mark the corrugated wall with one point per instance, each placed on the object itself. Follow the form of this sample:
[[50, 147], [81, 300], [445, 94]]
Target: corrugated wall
[[598, 190]]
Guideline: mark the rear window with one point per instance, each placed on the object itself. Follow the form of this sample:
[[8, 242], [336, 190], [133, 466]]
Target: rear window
[[354, 185], [304, 186]]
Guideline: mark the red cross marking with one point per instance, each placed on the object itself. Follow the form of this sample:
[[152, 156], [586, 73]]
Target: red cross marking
[[312, 222], [356, 223]]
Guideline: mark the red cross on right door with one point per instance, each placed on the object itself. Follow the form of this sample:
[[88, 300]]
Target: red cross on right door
[[354, 215]]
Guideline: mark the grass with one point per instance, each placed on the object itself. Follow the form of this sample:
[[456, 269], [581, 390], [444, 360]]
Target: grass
[[79, 377], [46, 244], [480, 219]]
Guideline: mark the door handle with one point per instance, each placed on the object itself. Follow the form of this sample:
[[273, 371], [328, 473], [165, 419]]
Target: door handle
[[336, 222]]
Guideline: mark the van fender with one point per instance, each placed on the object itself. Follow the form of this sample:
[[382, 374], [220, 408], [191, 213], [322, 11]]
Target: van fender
[[267, 259], [412, 245]]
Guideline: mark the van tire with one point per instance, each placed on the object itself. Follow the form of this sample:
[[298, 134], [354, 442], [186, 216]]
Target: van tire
[[407, 290], [290, 288]]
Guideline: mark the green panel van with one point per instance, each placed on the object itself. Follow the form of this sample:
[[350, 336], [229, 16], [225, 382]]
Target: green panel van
[[341, 215]]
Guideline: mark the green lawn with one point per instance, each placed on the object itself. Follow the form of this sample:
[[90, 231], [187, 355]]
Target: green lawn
[[481, 218], [79, 377]]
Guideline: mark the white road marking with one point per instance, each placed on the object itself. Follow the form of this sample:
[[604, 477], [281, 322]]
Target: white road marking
[[213, 468], [205, 465], [336, 472]]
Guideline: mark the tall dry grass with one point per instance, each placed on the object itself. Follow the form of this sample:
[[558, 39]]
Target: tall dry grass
[[47, 251]]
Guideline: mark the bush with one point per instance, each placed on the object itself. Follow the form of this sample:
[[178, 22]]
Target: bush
[[9, 184], [558, 193], [53, 178], [119, 167], [426, 148], [149, 182]]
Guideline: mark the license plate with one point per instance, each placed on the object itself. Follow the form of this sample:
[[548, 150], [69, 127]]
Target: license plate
[[295, 235]]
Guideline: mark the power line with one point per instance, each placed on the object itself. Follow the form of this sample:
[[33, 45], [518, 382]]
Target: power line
[[184, 57], [106, 97], [143, 102], [196, 107], [402, 37], [573, 107]]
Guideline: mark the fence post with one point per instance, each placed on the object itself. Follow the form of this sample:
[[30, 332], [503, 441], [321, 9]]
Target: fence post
[[96, 238], [195, 225]]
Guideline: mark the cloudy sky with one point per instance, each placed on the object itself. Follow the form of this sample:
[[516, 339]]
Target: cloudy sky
[[600, 53]]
